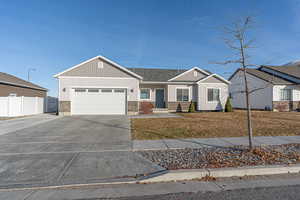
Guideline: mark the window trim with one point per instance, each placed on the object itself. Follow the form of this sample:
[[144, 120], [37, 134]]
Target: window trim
[[150, 96], [189, 88], [291, 97], [207, 94]]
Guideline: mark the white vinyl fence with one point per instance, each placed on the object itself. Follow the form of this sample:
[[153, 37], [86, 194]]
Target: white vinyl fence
[[20, 106]]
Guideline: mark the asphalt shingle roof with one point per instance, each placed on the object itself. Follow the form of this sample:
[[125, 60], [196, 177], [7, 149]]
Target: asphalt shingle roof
[[292, 70], [268, 77], [13, 80], [152, 74]]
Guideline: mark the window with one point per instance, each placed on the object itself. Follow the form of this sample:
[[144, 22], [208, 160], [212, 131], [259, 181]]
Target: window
[[119, 90], [12, 95], [79, 90], [182, 94], [93, 90], [106, 90], [285, 94], [213, 94], [145, 93]]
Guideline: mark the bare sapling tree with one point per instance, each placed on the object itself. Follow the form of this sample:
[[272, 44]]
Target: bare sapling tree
[[236, 39]]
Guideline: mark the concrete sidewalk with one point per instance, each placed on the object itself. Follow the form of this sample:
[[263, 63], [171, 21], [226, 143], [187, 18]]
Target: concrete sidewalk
[[211, 142]]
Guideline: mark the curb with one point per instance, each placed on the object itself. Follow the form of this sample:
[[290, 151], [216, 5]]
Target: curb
[[191, 174], [182, 175]]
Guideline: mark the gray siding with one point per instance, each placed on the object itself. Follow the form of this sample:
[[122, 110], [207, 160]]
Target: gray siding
[[91, 69], [203, 103], [189, 76], [212, 80], [259, 99], [172, 92]]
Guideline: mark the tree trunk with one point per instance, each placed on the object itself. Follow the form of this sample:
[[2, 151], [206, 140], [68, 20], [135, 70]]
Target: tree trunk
[[249, 122]]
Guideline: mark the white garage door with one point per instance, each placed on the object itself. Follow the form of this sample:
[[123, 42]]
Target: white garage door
[[98, 101]]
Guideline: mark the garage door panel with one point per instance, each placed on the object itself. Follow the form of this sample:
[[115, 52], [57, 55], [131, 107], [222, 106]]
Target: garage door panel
[[98, 103]]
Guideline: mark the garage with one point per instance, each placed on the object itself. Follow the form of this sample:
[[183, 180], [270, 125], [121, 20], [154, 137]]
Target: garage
[[98, 101]]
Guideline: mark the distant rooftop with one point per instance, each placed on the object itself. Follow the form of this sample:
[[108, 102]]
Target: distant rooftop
[[13, 80]]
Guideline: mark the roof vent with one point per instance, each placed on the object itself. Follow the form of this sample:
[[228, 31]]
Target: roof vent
[[100, 65]]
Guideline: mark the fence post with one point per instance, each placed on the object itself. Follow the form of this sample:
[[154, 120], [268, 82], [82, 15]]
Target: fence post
[[22, 106], [8, 113]]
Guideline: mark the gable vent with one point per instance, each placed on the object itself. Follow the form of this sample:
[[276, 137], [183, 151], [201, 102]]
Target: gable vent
[[100, 65], [195, 73]]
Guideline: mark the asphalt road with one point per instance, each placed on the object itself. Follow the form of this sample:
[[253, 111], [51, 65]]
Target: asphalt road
[[265, 193]]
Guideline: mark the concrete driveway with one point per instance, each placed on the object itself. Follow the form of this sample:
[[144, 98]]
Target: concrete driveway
[[70, 150]]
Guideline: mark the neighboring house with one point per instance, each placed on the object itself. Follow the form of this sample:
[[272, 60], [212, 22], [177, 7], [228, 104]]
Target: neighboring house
[[101, 86], [19, 97], [13, 86], [274, 87]]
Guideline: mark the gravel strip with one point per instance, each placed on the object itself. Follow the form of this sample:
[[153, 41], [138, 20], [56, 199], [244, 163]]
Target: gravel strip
[[237, 156]]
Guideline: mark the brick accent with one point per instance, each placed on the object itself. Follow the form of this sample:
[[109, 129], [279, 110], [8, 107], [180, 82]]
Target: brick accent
[[282, 106], [5, 90], [146, 107], [133, 106], [179, 106], [64, 106]]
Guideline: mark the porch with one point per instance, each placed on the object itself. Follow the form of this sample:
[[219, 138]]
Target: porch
[[162, 98]]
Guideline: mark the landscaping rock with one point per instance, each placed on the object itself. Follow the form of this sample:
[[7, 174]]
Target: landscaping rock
[[237, 156]]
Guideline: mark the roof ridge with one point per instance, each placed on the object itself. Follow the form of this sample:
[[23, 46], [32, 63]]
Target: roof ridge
[[155, 68]]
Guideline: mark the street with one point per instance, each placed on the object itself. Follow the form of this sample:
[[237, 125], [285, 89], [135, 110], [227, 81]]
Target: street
[[264, 193]]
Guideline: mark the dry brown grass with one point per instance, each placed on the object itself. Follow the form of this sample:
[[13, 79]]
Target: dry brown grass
[[217, 124]]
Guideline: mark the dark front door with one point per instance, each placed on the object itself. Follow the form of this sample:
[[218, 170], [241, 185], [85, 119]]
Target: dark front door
[[160, 98]]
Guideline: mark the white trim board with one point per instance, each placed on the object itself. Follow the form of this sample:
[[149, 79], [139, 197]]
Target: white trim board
[[194, 68], [96, 77], [103, 58]]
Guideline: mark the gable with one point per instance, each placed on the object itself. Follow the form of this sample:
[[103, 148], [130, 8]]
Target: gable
[[94, 68], [212, 79], [189, 76]]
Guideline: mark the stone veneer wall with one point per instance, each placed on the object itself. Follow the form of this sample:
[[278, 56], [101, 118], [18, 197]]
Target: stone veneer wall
[[284, 106], [64, 107], [179, 106], [133, 106]]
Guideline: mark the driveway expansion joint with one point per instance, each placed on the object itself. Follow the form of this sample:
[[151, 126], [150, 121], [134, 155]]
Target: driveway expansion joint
[[68, 165]]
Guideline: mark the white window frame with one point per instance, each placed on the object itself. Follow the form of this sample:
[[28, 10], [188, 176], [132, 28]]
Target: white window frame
[[190, 96], [12, 94], [291, 97], [214, 101], [149, 94]]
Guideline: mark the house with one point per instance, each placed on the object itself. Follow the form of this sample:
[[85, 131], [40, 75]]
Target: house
[[273, 87], [19, 97], [13, 86], [101, 86]]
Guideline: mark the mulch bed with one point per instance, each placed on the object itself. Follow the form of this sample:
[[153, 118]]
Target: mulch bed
[[237, 156]]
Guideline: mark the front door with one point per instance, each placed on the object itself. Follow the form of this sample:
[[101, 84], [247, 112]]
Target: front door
[[160, 98]]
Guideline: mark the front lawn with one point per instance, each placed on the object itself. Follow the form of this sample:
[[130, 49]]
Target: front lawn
[[216, 124]]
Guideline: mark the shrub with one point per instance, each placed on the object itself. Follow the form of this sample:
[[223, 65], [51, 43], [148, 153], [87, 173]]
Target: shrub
[[192, 107], [228, 106]]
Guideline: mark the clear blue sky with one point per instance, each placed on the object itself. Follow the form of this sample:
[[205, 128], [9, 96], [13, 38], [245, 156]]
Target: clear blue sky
[[52, 35]]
